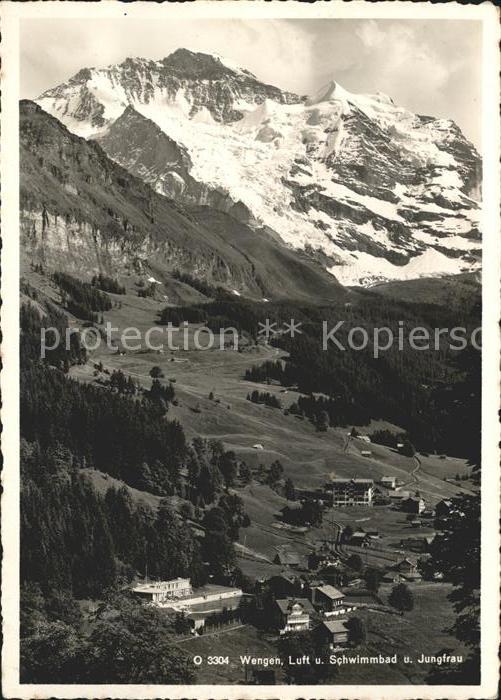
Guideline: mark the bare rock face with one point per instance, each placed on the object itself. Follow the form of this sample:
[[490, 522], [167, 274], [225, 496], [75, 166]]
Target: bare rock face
[[140, 146], [371, 189], [83, 213]]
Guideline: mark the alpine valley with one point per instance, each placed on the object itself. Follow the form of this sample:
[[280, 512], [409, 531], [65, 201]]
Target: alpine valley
[[267, 494], [369, 190]]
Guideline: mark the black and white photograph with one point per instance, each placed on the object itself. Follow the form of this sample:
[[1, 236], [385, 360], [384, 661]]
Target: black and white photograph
[[251, 353]]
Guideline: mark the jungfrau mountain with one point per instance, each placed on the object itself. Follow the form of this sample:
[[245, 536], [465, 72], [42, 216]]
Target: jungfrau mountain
[[367, 189]]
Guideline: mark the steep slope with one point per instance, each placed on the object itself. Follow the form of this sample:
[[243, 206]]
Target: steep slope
[[141, 147], [456, 292], [83, 213], [371, 189]]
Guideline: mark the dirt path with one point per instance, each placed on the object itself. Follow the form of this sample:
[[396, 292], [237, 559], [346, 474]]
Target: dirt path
[[414, 472]]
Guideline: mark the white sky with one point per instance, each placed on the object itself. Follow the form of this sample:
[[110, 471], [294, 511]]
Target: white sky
[[429, 66]]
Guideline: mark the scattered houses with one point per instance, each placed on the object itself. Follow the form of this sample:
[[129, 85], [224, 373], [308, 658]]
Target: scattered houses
[[285, 584], [335, 632], [408, 570], [413, 504], [293, 615], [417, 544], [443, 508], [360, 539], [351, 492], [381, 495], [392, 577], [389, 482], [287, 556], [398, 496], [327, 599]]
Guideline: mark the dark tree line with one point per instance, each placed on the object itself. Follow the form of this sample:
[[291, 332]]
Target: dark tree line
[[202, 286], [81, 298], [455, 555], [264, 397], [107, 284], [76, 540], [123, 436], [427, 392]]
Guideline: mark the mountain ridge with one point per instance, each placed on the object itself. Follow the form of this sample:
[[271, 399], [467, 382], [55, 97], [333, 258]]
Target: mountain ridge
[[373, 190], [83, 213]]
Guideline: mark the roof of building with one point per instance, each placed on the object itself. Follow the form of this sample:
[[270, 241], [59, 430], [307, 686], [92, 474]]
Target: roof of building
[[399, 494], [210, 589], [158, 586], [340, 480], [359, 533], [288, 576], [330, 592], [335, 626], [406, 561], [285, 604], [288, 557]]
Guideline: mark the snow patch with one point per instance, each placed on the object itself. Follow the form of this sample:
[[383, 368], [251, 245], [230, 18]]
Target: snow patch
[[370, 269]]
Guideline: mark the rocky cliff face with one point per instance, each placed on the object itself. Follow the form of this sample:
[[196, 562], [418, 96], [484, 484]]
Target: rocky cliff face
[[199, 85], [370, 189], [83, 213], [141, 147]]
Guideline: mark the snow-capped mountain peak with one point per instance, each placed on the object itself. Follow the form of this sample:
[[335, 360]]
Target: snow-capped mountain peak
[[370, 189]]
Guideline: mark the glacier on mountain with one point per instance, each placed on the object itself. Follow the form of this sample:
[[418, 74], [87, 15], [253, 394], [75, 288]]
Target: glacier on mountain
[[372, 190]]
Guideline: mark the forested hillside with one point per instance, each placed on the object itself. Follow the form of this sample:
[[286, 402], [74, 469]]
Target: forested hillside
[[433, 393]]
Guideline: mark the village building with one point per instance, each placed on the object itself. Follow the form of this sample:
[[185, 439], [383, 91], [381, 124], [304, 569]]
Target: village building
[[286, 557], [413, 504], [285, 584], [406, 566], [398, 496], [293, 615], [327, 599], [360, 539], [443, 508], [322, 559], [393, 577], [381, 495], [207, 602], [351, 492], [197, 605], [428, 513], [159, 592], [417, 544], [408, 570], [389, 482], [335, 632]]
